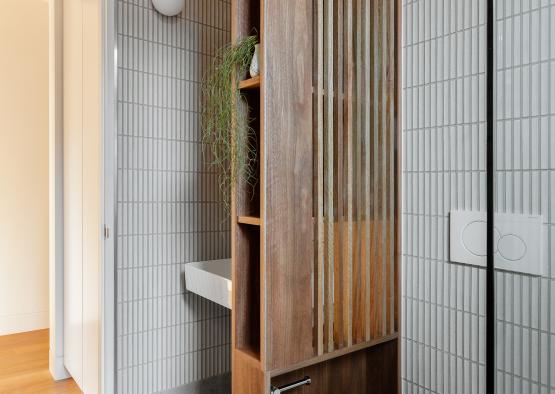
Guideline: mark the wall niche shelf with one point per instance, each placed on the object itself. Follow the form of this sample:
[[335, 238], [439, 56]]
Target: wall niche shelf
[[251, 220], [251, 83]]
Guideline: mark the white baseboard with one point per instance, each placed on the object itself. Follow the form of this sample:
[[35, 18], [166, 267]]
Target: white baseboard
[[13, 324]]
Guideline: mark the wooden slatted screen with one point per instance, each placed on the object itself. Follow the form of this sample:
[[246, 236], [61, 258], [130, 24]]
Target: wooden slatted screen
[[355, 158]]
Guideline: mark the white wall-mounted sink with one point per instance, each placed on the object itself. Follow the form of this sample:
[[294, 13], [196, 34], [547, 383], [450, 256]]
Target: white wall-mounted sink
[[210, 279]]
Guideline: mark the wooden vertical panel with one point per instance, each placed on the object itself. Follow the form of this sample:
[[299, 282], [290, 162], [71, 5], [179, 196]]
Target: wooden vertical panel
[[387, 165], [349, 113], [367, 128], [391, 168], [262, 171], [397, 147], [372, 150], [357, 286], [378, 158], [319, 97], [384, 162], [329, 173], [397, 173], [339, 175], [288, 170]]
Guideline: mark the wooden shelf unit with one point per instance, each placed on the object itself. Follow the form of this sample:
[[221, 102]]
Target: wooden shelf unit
[[247, 273], [289, 319]]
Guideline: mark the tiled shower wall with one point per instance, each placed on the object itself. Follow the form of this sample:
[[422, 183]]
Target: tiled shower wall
[[168, 210], [444, 134], [525, 183]]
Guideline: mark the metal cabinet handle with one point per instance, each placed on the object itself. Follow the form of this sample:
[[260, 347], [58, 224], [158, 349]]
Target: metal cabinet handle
[[291, 386]]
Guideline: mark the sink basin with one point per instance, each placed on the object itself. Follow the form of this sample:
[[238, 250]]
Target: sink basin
[[210, 279]]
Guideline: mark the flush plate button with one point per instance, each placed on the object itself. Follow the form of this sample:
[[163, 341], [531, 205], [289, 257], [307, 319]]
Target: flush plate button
[[517, 240]]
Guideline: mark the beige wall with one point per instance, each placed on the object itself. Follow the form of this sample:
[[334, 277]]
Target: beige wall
[[23, 165]]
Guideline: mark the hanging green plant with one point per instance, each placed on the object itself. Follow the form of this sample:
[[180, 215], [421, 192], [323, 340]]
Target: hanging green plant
[[226, 133]]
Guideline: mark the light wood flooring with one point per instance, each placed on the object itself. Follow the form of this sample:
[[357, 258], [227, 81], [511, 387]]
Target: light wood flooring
[[24, 366]]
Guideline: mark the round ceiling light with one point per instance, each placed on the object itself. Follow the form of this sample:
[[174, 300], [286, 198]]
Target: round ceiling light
[[168, 7]]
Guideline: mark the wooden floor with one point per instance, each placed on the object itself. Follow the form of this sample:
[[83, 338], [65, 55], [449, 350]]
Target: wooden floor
[[24, 365]]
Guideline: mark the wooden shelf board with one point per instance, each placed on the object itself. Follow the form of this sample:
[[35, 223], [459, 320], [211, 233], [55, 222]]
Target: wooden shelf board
[[251, 83], [253, 221]]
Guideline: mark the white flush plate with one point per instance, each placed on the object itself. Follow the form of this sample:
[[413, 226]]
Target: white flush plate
[[518, 241]]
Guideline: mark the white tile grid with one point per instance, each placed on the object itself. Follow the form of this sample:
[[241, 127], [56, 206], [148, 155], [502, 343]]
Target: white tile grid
[[525, 170], [443, 169], [168, 210], [444, 135]]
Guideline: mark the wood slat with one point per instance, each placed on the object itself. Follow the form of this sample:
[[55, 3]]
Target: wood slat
[[348, 107], [263, 185], [358, 283], [372, 154], [329, 174], [319, 97], [367, 169], [397, 171], [379, 189], [383, 166], [338, 176], [391, 164]]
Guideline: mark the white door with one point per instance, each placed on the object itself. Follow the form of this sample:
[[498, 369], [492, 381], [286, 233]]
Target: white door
[[82, 190], [73, 191]]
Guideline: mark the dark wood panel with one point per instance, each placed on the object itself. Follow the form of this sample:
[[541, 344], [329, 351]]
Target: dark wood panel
[[369, 371], [287, 57], [245, 18]]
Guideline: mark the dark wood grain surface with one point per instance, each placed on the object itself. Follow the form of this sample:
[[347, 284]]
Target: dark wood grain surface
[[288, 206], [369, 371], [316, 252]]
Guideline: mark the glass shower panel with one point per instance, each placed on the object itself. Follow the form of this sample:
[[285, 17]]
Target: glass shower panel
[[524, 177]]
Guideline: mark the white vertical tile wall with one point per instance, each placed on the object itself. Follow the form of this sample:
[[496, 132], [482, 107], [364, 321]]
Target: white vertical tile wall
[[168, 210], [525, 183], [444, 136]]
